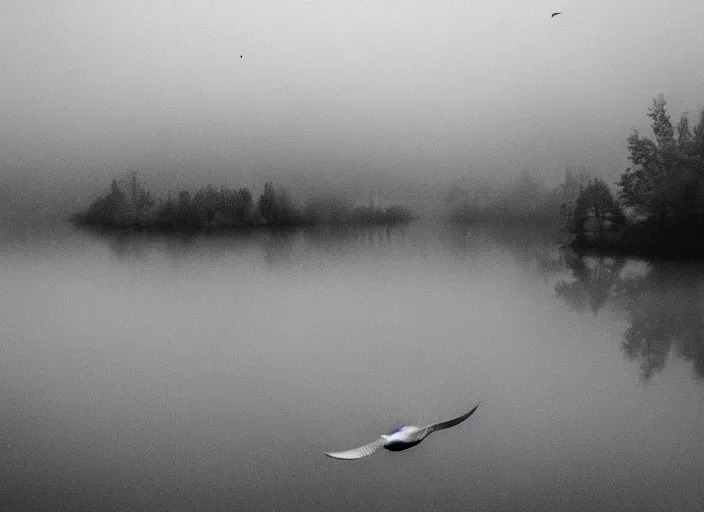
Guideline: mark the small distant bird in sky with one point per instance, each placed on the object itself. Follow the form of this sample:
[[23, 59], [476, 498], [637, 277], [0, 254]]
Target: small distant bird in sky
[[400, 439], [555, 14], [240, 56]]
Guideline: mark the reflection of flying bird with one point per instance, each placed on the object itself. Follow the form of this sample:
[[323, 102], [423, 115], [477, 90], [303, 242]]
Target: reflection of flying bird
[[400, 439], [555, 14]]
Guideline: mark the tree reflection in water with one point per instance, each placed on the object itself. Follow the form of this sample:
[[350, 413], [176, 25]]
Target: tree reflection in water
[[595, 279], [277, 246], [665, 312], [664, 306]]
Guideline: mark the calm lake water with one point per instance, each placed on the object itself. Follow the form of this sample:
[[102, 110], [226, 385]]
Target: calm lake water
[[144, 372]]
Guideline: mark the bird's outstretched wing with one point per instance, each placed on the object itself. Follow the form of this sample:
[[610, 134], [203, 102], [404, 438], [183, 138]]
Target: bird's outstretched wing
[[358, 453], [555, 14], [449, 423]]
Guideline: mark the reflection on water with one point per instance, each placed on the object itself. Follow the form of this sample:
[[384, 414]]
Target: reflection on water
[[594, 280], [663, 303], [278, 246], [144, 371], [665, 313], [662, 300]]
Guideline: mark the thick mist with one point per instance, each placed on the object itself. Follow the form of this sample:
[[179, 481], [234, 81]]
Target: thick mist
[[404, 98]]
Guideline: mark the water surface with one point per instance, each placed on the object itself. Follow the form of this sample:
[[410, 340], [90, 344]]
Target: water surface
[[210, 372]]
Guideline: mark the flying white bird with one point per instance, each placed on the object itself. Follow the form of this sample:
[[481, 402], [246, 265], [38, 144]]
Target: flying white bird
[[400, 439]]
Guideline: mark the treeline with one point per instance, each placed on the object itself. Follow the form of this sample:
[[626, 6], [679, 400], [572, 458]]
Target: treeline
[[130, 204], [526, 199], [659, 205]]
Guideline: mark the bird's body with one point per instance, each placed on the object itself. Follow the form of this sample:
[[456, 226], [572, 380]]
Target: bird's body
[[400, 439], [555, 14], [403, 439]]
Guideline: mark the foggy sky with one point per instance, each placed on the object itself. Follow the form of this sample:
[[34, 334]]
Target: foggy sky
[[337, 91]]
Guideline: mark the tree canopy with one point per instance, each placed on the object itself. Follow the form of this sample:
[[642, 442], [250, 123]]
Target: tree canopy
[[595, 202], [130, 204], [666, 179]]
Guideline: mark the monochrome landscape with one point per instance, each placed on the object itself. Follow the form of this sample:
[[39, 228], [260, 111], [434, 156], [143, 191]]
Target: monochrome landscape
[[238, 236]]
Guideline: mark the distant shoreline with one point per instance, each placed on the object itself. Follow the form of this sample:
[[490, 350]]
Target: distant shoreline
[[643, 240], [638, 250], [129, 205], [156, 228]]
